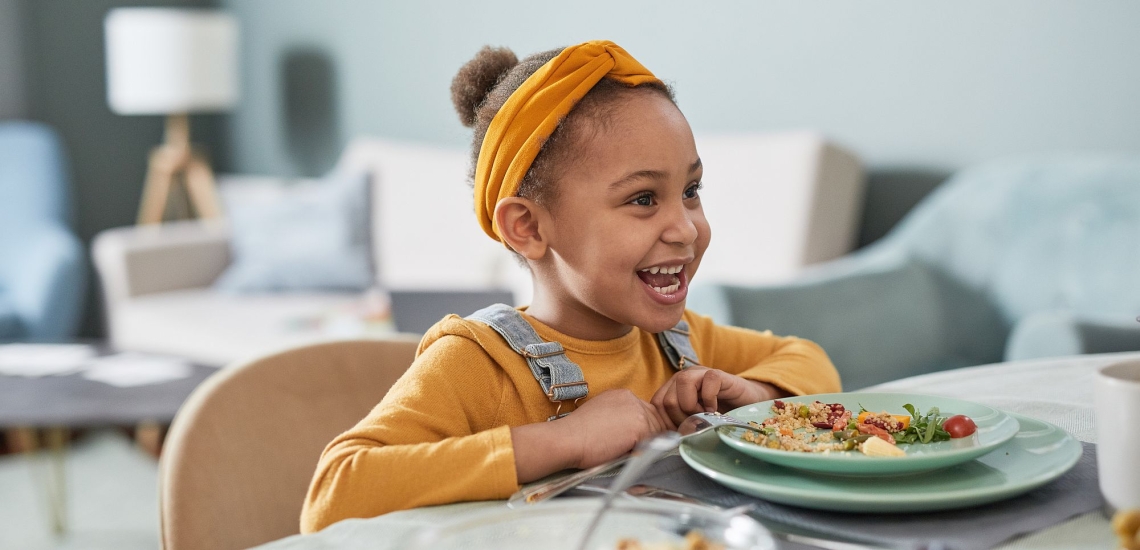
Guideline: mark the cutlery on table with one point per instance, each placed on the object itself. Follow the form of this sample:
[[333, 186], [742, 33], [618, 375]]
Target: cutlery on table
[[804, 540], [695, 424], [643, 457]]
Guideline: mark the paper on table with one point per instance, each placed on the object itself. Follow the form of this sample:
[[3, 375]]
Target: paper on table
[[35, 360], [135, 369]]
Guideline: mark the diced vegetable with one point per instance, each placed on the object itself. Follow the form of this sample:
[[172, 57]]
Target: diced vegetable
[[900, 418], [876, 431], [959, 425]]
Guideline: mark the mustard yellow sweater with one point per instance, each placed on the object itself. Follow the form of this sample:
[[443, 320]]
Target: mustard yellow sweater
[[442, 433]]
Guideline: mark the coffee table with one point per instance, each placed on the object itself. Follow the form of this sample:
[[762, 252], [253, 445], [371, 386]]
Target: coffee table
[[44, 409]]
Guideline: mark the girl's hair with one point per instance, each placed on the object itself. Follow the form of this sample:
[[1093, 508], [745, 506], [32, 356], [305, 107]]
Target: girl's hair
[[482, 86]]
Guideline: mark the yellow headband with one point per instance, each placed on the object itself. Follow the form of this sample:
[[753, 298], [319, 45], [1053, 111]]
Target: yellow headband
[[533, 111]]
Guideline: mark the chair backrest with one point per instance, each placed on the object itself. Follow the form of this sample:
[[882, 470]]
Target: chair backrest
[[33, 174], [242, 450], [1034, 234]]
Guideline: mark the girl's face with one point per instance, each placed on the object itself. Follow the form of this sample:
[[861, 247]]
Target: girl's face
[[628, 230]]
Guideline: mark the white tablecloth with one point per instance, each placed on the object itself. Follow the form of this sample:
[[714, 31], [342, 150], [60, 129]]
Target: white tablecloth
[[1057, 390]]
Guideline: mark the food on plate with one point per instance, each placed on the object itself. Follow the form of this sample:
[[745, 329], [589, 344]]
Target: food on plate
[[826, 427], [878, 447], [694, 540], [959, 425]]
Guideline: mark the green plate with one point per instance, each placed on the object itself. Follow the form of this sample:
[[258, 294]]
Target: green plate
[[994, 428], [1038, 454]]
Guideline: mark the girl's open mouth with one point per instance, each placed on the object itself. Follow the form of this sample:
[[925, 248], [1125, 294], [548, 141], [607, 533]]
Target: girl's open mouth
[[666, 284]]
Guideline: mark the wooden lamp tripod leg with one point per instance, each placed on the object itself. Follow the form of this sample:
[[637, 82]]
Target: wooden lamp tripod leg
[[164, 166], [203, 192], [170, 160]]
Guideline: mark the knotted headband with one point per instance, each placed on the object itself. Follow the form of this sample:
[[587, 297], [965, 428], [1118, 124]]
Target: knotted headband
[[533, 111]]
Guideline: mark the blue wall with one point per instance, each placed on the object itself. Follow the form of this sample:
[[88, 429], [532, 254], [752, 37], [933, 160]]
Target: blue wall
[[923, 85]]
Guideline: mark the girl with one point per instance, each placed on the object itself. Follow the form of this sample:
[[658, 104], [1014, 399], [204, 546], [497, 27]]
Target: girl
[[587, 171]]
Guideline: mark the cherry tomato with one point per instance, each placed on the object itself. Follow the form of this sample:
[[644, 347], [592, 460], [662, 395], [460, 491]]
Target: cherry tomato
[[959, 425]]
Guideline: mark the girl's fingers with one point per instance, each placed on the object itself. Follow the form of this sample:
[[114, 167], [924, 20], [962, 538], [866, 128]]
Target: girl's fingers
[[710, 388], [656, 425], [672, 404], [688, 385], [658, 402]]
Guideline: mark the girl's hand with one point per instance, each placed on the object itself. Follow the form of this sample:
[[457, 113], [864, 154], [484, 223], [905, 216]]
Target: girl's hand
[[701, 389], [610, 425]]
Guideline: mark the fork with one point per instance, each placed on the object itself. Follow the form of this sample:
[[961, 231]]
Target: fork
[[693, 425]]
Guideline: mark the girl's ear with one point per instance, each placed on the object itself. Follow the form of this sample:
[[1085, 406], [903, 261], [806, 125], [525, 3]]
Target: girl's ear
[[522, 224]]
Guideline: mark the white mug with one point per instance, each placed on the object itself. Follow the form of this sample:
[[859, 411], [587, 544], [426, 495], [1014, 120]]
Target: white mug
[[1117, 401]]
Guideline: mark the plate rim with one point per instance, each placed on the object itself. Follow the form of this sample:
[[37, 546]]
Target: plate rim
[[942, 500]]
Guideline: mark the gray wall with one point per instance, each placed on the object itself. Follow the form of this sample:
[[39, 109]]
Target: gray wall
[[11, 61], [65, 87], [918, 89]]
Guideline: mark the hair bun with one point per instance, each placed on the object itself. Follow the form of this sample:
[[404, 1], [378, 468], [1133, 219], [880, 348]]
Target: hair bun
[[476, 78]]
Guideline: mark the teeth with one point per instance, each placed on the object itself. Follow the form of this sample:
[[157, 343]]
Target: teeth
[[667, 290], [666, 270]]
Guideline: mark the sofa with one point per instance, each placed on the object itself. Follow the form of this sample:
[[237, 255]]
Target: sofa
[[777, 203], [43, 271], [1010, 260]]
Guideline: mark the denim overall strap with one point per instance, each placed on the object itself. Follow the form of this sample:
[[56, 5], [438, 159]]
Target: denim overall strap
[[677, 347], [560, 378]]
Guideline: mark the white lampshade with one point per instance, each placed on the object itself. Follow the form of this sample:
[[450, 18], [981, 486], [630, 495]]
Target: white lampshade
[[166, 61]]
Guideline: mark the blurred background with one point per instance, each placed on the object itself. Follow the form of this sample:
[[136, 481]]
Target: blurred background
[[900, 96], [916, 90]]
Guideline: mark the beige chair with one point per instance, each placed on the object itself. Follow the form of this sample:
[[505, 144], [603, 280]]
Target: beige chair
[[240, 453]]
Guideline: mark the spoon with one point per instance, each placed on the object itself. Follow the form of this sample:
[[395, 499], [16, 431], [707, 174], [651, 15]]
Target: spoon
[[646, 453], [649, 451]]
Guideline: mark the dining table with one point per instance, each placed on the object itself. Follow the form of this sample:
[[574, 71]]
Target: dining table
[[1058, 390]]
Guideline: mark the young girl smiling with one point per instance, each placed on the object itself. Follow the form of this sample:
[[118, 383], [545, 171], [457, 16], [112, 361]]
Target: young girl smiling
[[587, 171]]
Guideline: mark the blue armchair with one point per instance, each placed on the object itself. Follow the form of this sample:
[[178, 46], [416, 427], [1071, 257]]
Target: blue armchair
[[42, 265], [1010, 260]]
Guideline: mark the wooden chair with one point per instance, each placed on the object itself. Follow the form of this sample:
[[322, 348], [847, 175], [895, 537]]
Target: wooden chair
[[242, 450]]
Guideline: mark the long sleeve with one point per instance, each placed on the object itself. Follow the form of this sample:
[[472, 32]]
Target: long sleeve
[[794, 364], [442, 433], [434, 439]]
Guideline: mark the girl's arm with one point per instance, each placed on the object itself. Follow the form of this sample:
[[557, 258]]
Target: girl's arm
[[435, 438], [441, 435]]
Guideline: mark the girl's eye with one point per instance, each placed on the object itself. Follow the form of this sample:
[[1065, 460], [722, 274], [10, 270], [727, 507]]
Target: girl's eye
[[644, 199], [692, 191]]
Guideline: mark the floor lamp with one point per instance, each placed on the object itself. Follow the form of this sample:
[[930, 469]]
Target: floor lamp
[[172, 62]]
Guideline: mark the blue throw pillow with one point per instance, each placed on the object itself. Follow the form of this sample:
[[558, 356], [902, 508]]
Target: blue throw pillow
[[301, 235]]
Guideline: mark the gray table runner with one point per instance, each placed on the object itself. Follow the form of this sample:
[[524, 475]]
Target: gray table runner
[[1074, 493]]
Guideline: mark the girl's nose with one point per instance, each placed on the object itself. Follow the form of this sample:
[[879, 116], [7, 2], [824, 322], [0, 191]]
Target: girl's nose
[[680, 228]]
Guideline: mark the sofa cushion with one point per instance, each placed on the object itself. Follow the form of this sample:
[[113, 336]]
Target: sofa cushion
[[901, 318], [790, 199], [776, 202], [1038, 233], [425, 234], [9, 322], [1062, 333], [298, 235]]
